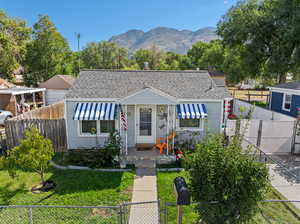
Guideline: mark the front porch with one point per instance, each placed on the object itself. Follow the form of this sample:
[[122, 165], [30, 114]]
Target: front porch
[[146, 158]]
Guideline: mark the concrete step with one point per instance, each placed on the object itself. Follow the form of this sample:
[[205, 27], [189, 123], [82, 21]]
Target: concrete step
[[145, 164]]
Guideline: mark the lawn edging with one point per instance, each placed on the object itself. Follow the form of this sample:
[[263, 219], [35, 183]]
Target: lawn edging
[[69, 167], [170, 169]]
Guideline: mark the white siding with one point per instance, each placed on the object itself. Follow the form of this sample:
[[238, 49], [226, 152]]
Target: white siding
[[55, 95]]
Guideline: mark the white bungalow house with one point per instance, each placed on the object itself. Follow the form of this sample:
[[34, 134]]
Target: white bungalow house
[[154, 103]]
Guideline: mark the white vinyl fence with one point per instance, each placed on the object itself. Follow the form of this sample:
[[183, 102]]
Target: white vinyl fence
[[259, 112], [271, 136]]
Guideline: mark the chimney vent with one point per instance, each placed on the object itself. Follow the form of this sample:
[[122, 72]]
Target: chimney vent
[[146, 65]]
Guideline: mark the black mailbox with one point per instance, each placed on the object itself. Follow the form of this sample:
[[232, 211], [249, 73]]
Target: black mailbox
[[182, 192]]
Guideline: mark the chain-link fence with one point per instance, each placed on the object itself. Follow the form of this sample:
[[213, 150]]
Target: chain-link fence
[[43, 214], [141, 212], [269, 212], [126, 213]]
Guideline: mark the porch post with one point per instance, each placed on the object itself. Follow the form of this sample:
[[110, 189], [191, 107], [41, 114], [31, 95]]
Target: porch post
[[120, 128], [126, 129], [168, 131], [174, 125]]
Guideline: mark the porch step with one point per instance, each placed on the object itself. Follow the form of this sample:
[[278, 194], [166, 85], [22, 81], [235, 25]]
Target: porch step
[[145, 164]]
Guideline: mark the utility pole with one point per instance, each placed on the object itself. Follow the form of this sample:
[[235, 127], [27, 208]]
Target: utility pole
[[78, 36]]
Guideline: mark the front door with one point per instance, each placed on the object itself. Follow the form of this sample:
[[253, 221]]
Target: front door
[[145, 124]]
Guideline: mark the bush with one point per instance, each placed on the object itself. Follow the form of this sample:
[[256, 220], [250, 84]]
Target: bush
[[226, 175], [34, 154], [97, 158]]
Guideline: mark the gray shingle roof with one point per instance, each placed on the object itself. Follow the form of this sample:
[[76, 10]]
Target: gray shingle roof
[[289, 85], [119, 84]]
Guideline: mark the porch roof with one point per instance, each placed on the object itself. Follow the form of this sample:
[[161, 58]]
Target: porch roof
[[119, 84]]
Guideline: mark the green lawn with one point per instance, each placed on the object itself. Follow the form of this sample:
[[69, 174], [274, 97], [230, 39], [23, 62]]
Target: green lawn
[[282, 213], [74, 187]]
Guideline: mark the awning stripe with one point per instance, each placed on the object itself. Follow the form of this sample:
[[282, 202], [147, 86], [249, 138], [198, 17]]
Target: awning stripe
[[95, 111], [191, 111]]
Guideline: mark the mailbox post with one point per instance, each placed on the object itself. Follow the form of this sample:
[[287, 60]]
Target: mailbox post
[[183, 196]]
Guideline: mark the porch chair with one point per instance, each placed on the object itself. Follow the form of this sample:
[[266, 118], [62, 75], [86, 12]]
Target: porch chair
[[161, 143]]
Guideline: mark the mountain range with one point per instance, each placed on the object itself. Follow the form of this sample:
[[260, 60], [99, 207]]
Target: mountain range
[[165, 38]]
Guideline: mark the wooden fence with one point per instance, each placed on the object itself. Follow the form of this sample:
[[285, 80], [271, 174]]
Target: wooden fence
[[53, 111], [54, 129], [250, 95]]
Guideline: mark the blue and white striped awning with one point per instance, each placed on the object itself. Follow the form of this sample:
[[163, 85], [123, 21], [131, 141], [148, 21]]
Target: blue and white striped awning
[[95, 111], [191, 111]]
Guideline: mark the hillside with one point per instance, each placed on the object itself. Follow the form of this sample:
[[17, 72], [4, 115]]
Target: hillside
[[167, 39]]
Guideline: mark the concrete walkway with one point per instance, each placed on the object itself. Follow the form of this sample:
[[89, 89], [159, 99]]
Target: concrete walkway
[[287, 185], [144, 189]]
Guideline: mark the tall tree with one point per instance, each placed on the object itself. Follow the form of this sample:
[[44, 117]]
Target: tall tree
[[104, 55], [153, 56], [48, 54], [267, 32], [213, 56], [195, 54], [14, 36]]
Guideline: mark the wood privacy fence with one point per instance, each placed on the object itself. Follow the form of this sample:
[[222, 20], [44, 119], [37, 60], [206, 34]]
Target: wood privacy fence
[[53, 111], [54, 129]]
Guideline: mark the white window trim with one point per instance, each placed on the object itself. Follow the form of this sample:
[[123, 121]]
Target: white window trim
[[200, 128], [99, 134], [283, 102]]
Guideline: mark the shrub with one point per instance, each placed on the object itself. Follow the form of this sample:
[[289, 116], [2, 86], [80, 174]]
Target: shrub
[[34, 154], [226, 175], [97, 158]]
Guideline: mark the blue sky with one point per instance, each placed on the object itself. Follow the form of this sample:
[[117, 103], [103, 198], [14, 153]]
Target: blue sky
[[100, 19]]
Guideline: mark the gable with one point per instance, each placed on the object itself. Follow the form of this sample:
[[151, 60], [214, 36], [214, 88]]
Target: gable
[[149, 96]]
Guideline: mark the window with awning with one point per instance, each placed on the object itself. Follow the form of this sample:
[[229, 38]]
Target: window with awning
[[95, 111], [191, 111]]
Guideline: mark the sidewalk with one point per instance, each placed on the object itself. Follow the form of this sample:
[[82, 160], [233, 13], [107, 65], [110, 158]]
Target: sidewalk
[[144, 189], [288, 186]]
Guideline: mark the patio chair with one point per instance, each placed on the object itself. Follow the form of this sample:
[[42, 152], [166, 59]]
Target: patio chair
[[161, 143]]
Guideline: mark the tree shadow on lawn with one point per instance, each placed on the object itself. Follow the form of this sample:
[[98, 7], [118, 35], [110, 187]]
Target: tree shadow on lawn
[[67, 182], [6, 195], [71, 181]]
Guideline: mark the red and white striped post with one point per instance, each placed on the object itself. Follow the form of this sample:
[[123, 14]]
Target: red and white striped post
[[227, 108]]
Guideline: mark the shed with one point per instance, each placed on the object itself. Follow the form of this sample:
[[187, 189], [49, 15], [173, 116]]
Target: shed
[[57, 87]]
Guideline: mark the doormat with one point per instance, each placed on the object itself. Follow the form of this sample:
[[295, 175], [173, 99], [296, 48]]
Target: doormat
[[144, 148]]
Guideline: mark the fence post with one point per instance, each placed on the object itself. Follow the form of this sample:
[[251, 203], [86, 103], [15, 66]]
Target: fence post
[[30, 216], [294, 136], [179, 214], [258, 142], [166, 213], [121, 215]]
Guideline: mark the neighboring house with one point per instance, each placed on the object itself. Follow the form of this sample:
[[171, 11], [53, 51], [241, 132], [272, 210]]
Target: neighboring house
[[57, 87], [285, 98], [218, 77], [153, 103], [19, 99]]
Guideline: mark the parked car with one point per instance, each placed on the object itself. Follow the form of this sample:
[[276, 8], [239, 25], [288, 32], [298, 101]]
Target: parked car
[[4, 115]]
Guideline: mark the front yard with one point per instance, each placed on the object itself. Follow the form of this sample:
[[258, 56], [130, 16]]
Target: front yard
[[271, 212], [74, 187]]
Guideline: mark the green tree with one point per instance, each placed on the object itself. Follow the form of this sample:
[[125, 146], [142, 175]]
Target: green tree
[[14, 36], [226, 175], [34, 154], [48, 54], [104, 55], [153, 56], [267, 32], [195, 54], [213, 56]]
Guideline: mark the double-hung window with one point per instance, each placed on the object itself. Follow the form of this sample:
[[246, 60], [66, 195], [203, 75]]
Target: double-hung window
[[287, 102], [103, 127], [191, 123]]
